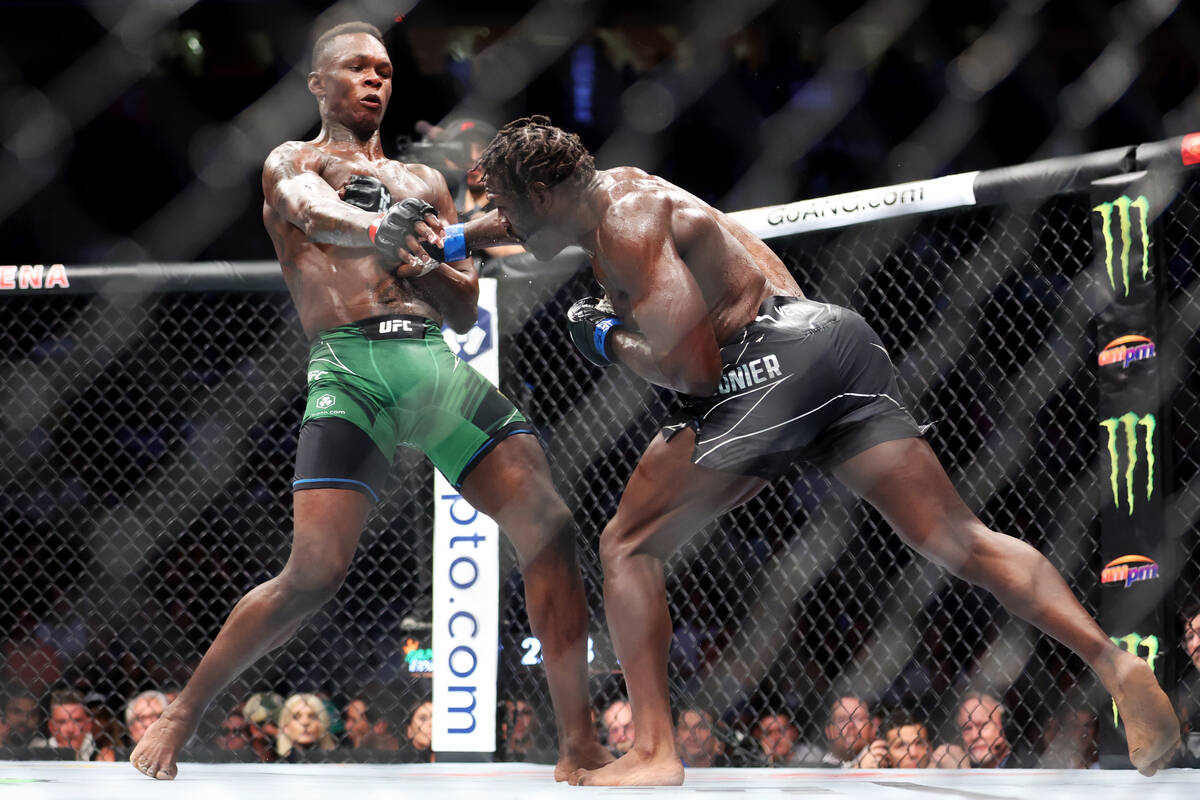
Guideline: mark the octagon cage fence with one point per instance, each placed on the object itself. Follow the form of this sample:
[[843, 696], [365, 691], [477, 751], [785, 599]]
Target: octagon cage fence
[[150, 421]]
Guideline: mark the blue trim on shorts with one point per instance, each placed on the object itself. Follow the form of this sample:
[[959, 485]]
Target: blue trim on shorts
[[370, 491], [503, 434]]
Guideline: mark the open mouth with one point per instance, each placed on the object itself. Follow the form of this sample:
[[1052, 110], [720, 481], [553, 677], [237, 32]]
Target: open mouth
[[372, 101]]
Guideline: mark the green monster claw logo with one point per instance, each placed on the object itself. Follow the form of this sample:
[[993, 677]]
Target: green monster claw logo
[[1128, 425], [1133, 642], [1122, 206]]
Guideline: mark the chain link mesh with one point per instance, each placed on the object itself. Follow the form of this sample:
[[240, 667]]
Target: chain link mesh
[[149, 444]]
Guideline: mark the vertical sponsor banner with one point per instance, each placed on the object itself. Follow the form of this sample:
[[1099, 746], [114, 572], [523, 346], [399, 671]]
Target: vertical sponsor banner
[[466, 581], [1131, 429]]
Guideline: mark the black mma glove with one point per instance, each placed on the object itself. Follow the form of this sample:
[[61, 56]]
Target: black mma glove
[[590, 322], [391, 229], [367, 193]]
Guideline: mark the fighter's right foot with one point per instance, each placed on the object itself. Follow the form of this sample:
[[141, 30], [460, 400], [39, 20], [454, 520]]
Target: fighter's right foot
[[155, 754], [1151, 727], [633, 769]]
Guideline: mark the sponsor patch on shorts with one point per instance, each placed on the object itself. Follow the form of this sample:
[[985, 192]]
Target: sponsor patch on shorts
[[396, 326]]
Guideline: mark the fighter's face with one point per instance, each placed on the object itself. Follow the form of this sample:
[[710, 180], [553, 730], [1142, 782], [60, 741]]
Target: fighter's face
[[354, 82], [536, 231]]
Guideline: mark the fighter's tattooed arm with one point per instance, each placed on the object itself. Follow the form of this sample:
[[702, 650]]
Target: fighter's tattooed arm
[[294, 188]]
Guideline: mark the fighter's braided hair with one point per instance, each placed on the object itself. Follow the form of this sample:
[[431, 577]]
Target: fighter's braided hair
[[531, 149]]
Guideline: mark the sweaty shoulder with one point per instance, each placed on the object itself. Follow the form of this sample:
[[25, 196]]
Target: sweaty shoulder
[[637, 204], [292, 157], [645, 205]]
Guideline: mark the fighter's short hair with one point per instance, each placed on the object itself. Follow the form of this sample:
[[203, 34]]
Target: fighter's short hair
[[531, 150], [328, 36]]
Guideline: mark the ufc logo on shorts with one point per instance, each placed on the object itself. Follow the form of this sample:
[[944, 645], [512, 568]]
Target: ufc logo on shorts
[[395, 326]]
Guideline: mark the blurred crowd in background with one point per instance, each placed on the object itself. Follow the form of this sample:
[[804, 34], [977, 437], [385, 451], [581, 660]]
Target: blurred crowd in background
[[383, 723]]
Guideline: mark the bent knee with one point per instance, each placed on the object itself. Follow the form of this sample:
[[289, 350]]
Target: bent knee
[[619, 541], [314, 583]]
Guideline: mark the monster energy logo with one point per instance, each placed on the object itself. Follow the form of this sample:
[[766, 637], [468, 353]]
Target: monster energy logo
[[1124, 228], [1133, 642], [1127, 426]]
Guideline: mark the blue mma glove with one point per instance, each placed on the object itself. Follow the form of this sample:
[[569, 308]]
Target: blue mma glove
[[590, 322]]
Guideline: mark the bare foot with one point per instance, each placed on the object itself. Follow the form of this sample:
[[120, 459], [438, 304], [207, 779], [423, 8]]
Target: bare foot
[[155, 753], [633, 769], [592, 755], [1151, 727]]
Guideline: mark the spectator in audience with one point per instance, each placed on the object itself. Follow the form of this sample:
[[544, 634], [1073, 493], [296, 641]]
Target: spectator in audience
[[778, 736], [850, 732], [907, 740], [234, 733], [982, 741], [69, 725], [694, 739], [366, 727], [519, 729], [142, 710], [419, 731], [303, 725], [22, 717], [1070, 737], [617, 719], [261, 711]]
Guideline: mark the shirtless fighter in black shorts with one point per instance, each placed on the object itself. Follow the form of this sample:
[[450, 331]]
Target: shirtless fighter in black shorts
[[380, 374], [698, 304]]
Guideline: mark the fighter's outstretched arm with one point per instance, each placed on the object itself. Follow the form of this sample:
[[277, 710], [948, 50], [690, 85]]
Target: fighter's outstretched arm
[[673, 344], [486, 230], [455, 284]]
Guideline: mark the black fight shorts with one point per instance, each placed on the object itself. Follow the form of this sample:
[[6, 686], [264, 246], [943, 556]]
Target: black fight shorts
[[805, 381]]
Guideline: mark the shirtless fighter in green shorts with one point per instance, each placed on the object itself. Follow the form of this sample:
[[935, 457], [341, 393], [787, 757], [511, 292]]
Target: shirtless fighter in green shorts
[[381, 375]]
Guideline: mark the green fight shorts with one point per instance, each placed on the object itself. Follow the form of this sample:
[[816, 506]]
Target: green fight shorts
[[387, 381]]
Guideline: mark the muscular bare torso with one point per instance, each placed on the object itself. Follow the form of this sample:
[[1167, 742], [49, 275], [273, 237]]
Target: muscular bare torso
[[733, 269], [331, 284]]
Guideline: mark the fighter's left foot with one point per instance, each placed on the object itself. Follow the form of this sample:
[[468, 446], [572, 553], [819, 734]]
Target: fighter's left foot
[[1151, 727], [592, 755]]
